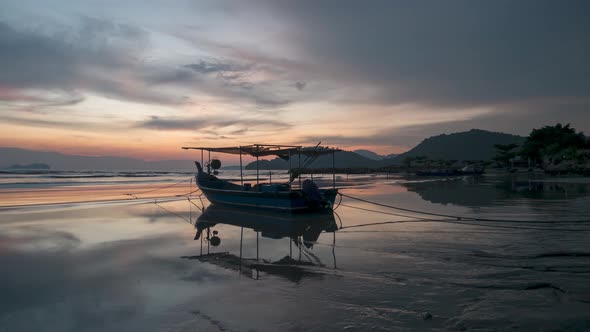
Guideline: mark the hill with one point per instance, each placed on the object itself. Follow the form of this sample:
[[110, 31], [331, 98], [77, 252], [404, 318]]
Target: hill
[[475, 144], [59, 161], [470, 145], [372, 155], [344, 159]]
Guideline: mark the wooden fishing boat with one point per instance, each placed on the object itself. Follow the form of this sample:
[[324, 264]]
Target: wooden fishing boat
[[305, 197]]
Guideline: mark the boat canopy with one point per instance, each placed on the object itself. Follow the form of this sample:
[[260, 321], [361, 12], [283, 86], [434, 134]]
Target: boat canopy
[[259, 150]]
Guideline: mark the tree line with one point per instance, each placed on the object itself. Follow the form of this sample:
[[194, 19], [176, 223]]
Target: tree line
[[548, 146]]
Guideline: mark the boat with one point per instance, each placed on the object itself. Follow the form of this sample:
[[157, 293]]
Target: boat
[[306, 197]]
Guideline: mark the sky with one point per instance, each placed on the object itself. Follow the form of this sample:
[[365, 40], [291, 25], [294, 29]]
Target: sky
[[143, 78]]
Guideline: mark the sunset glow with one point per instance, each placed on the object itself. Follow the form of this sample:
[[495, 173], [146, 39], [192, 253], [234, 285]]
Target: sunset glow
[[106, 78]]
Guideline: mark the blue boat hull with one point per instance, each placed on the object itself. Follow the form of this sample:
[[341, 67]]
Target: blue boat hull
[[292, 200]]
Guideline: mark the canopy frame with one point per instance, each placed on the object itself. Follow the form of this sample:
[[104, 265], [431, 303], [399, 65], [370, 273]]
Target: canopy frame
[[282, 151]]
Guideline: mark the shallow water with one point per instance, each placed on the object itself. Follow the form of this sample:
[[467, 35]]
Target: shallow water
[[132, 264]]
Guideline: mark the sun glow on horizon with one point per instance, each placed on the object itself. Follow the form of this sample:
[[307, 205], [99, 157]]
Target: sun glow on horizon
[[87, 79]]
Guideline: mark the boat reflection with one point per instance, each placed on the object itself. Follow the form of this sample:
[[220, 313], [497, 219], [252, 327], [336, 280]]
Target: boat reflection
[[270, 224], [303, 230]]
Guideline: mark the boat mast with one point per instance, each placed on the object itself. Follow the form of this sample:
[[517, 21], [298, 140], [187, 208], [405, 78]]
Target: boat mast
[[299, 170], [257, 166], [333, 169], [241, 175]]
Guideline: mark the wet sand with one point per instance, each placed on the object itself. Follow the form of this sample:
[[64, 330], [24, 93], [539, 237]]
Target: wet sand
[[133, 265]]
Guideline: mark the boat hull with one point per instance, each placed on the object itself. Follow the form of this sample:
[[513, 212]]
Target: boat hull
[[293, 200]]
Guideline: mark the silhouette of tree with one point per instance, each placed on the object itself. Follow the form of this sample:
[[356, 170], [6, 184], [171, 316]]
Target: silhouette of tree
[[550, 141], [408, 161], [421, 160], [505, 152]]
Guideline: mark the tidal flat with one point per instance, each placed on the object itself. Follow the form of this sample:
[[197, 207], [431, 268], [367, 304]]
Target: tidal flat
[[79, 261]]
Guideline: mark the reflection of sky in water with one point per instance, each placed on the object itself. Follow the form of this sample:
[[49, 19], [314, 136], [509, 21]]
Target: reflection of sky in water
[[513, 196], [118, 267]]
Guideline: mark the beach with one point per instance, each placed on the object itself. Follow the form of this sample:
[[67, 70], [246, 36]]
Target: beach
[[79, 253]]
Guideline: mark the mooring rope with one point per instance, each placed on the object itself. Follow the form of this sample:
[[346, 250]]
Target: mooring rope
[[187, 195], [338, 205], [467, 224], [383, 212], [134, 195], [456, 217], [202, 207], [339, 219], [171, 212]]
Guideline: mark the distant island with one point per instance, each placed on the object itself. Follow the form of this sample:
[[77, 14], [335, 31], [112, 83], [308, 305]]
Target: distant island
[[29, 166], [59, 161]]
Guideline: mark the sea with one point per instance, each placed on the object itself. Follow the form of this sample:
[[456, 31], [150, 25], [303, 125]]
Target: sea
[[120, 251]]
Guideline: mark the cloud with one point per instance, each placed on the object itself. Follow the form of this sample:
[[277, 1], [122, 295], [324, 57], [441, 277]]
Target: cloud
[[106, 58], [178, 123], [205, 67], [455, 55], [95, 55], [156, 122], [33, 100], [516, 59], [69, 124], [240, 131], [234, 80], [458, 53], [300, 85], [516, 118]]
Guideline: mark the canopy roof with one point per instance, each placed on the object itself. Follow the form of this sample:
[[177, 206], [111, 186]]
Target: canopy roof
[[259, 150]]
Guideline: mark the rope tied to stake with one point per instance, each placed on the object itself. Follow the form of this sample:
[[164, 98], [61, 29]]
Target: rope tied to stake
[[455, 217]]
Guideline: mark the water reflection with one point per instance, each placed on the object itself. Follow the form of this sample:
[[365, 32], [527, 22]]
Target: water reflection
[[116, 267], [489, 190], [303, 230]]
